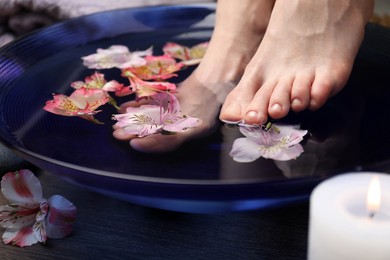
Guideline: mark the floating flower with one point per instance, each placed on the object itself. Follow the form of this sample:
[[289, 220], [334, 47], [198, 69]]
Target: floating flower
[[29, 218], [162, 116], [188, 56], [97, 81], [116, 56], [279, 142], [83, 103], [156, 68], [143, 88], [146, 89]]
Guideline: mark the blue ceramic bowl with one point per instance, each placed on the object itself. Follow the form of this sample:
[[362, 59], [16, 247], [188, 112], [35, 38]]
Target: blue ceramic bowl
[[349, 133]]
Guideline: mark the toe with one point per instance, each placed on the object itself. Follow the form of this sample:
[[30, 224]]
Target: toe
[[300, 92], [120, 134], [279, 104], [234, 105], [157, 143], [257, 111], [320, 91]]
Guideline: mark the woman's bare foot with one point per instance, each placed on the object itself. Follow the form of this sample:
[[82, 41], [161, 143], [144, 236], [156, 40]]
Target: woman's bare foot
[[239, 28], [305, 57]]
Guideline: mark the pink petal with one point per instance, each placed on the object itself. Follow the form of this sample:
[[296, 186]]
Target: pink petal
[[117, 56], [191, 62], [17, 216], [62, 215], [256, 134], [289, 130], [20, 237], [78, 84], [134, 61], [270, 151], [141, 121], [113, 86], [125, 91], [176, 51], [88, 100], [21, 187], [189, 56], [146, 52], [289, 153], [58, 104], [39, 231], [182, 124], [245, 150]]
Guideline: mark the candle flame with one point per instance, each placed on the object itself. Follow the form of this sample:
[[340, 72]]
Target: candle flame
[[373, 201]]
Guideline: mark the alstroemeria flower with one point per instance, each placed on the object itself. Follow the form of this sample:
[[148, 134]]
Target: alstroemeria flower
[[146, 89], [29, 218], [83, 103], [116, 56], [97, 81], [163, 115], [280, 142], [156, 68], [188, 56]]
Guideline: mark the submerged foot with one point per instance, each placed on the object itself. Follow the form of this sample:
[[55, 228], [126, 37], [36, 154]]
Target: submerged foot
[[305, 57], [233, 43], [205, 108]]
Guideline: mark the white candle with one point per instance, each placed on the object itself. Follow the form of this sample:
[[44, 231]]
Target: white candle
[[342, 226]]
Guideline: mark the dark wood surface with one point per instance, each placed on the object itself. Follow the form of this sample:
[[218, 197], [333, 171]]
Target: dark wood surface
[[107, 228]]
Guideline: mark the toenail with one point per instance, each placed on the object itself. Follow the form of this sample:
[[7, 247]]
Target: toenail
[[252, 114], [276, 108], [146, 143], [313, 104], [296, 102]]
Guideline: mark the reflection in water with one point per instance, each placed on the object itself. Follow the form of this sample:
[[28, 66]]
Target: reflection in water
[[332, 145]]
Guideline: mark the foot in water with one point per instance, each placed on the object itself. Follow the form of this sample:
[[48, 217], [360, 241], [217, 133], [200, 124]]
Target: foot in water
[[305, 57], [232, 45]]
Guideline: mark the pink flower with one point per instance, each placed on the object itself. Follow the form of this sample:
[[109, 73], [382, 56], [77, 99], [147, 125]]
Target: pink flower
[[156, 68], [83, 103], [162, 116], [145, 89], [97, 81], [280, 142], [29, 218], [116, 56], [188, 56]]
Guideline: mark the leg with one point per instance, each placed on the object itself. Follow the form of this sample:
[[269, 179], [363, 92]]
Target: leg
[[306, 56], [233, 43]]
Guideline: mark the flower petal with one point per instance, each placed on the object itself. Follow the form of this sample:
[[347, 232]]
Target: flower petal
[[256, 134], [20, 237], [39, 231], [245, 150], [17, 216], [113, 86], [270, 151], [21, 187], [289, 153], [182, 124], [292, 131], [116, 56], [62, 215], [142, 121]]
